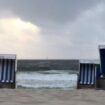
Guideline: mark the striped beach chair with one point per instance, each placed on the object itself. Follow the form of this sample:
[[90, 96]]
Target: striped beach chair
[[87, 73], [7, 71]]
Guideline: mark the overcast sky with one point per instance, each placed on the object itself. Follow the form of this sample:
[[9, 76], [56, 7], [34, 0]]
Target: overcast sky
[[54, 29]]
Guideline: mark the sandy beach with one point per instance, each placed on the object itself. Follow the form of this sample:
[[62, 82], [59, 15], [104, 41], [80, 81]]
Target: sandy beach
[[51, 97]]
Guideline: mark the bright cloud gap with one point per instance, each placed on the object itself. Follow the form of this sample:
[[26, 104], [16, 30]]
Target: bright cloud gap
[[16, 34]]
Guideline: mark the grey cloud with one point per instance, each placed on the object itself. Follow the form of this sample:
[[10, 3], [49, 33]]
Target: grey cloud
[[58, 11], [64, 33], [50, 15]]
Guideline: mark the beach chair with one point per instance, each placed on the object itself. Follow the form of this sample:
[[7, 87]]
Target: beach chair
[[7, 71], [87, 74], [102, 59], [101, 79]]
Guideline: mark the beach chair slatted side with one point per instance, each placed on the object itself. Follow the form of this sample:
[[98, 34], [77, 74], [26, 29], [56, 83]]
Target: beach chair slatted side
[[12, 71], [7, 73], [81, 75], [8, 76], [2, 73], [91, 70], [87, 75], [7, 70]]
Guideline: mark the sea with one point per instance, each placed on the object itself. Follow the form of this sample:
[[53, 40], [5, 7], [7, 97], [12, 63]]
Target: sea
[[63, 79]]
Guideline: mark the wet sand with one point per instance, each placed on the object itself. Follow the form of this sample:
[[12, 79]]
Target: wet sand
[[51, 97]]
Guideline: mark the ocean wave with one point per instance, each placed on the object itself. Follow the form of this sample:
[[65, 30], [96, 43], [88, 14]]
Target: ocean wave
[[57, 79]]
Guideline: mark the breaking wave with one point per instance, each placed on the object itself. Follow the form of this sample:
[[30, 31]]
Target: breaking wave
[[47, 79]]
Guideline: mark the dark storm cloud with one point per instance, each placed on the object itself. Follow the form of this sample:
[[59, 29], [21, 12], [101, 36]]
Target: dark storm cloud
[[42, 11]]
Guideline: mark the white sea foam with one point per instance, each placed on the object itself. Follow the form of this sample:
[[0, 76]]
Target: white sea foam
[[47, 79]]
